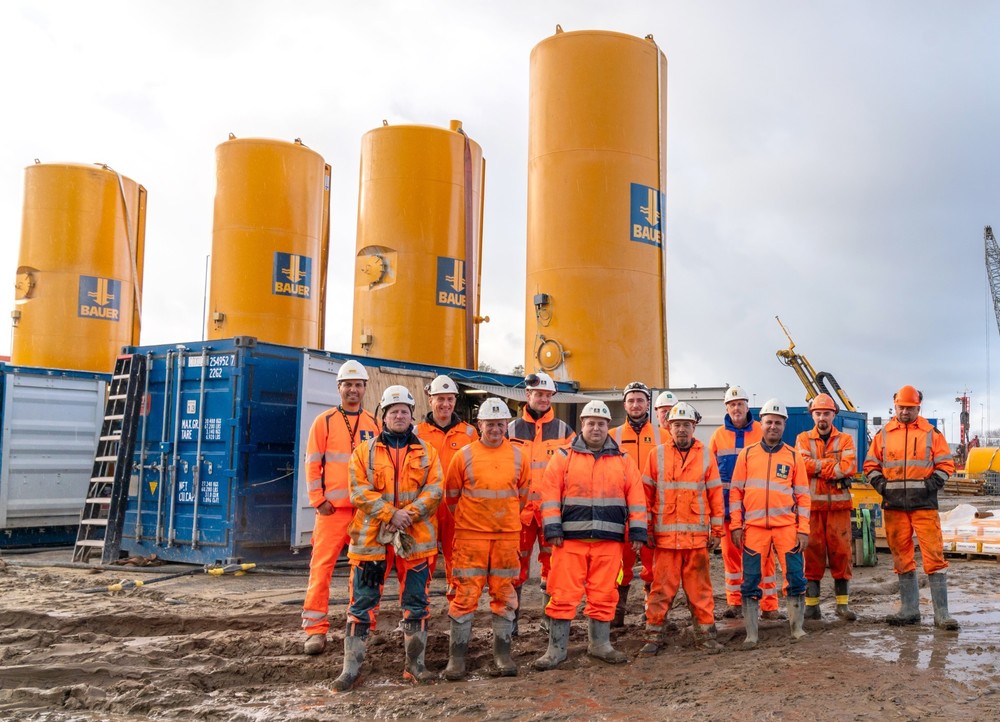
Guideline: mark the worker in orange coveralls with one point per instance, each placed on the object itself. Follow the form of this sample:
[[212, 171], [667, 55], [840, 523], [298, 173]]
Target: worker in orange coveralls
[[684, 498], [538, 433], [831, 461], [769, 506], [333, 436], [591, 494], [486, 487], [396, 486], [907, 463], [447, 433], [636, 438]]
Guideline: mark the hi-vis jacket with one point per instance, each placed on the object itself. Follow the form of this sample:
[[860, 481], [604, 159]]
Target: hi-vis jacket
[[638, 445], [377, 492], [726, 443], [684, 496], [770, 489], [332, 438], [449, 440], [486, 489], [593, 496], [915, 461], [539, 441], [828, 463]]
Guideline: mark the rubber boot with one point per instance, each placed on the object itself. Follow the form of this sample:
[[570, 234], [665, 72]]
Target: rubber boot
[[619, 621], [315, 644], [733, 611], [796, 613], [458, 648], [812, 600], [909, 601], [840, 587], [706, 637], [751, 611], [355, 645], [599, 634], [655, 637], [414, 645], [544, 624], [501, 647], [558, 645], [517, 612], [939, 597]]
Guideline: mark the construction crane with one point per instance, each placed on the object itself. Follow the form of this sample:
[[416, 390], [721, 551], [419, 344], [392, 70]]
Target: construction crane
[[993, 269], [815, 383]]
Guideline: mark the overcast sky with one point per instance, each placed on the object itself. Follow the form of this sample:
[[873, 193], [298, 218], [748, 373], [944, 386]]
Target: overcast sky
[[830, 162]]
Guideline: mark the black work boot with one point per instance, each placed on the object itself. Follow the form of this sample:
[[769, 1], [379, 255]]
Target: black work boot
[[840, 587], [619, 621], [517, 612], [812, 600]]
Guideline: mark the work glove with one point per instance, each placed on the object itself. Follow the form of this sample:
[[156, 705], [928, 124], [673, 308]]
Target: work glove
[[935, 481], [878, 482], [372, 573]]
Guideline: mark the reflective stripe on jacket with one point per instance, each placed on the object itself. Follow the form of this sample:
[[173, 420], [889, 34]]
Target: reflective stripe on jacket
[[328, 452], [446, 441], [828, 462], [539, 441], [684, 496], [908, 455], [486, 489], [726, 443], [770, 489], [637, 446]]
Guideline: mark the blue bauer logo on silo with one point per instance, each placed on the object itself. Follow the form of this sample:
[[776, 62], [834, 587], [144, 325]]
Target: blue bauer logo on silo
[[450, 282], [646, 222], [99, 298], [292, 275]]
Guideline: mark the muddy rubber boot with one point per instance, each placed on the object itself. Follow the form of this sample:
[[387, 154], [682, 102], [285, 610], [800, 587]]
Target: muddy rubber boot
[[544, 624], [653, 641], [909, 601], [706, 637], [458, 648], [599, 634], [619, 621], [558, 645], [796, 614], [840, 588], [355, 644], [751, 610], [315, 644], [812, 600], [733, 611], [771, 615], [501, 647], [517, 612], [414, 645], [939, 597]]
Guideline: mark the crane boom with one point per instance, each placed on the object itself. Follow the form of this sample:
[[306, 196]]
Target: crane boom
[[993, 269], [815, 383]]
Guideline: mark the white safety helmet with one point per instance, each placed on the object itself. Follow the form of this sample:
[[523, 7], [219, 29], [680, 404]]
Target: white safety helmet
[[735, 393], [540, 382], [493, 408], [666, 398], [684, 412], [397, 395], [773, 406], [350, 371], [637, 386], [441, 385], [596, 408]]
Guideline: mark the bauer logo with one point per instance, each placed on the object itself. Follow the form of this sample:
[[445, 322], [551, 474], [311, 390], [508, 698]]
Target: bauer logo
[[292, 275], [646, 222], [450, 282], [99, 298]]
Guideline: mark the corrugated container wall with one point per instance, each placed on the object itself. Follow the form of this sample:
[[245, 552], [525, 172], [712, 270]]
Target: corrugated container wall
[[596, 192], [79, 275], [416, 291], [270, 242]]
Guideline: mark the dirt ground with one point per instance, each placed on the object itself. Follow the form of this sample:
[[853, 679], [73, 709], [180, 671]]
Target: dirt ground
[[229, 648]]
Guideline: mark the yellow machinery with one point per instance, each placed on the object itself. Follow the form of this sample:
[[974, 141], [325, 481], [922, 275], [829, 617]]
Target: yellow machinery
[[815, 383], [419, 258], [596, 269], [982, 460], [79, 275], [270, 242]]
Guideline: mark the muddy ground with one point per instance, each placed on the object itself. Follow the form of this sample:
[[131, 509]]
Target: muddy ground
[[228, 648]]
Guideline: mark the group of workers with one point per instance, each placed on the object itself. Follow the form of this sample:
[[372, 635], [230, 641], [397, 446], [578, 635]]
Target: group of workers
[[595, 503]]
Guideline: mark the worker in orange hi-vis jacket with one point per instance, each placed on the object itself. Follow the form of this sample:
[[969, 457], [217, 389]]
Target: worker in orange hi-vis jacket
[[769, 508], [636, 438], [684, 498], [831, 461], [447, 433], [334, 435], [907, 463], [486, 486], [591, 494]]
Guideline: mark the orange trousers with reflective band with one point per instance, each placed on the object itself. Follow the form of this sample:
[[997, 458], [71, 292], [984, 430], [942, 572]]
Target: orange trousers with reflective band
[[732, 562], [830, 539], [328, 539], [530, 533], [900, 526], [446, 539], [628, 564], [673, 568], [478, 563], [584, 567]]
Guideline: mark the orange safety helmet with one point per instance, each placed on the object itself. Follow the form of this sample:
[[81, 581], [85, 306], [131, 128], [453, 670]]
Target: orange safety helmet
[[907, 396], [823, 402]]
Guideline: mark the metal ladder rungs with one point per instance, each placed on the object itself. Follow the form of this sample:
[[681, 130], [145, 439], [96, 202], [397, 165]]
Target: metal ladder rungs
[[106, 458], [95, 522], [112, 437], [90, 542], [102, 479], [115, 417], [98, 500], [117, 397]]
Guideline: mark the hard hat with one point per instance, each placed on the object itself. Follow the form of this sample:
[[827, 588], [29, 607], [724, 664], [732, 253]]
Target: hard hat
[[540, 382], [493, 408], [666, 398], [397, 395], [823, 402], [773, 407], [596, 408], [441, 385], [907, 396], [350, 371], [637, 386], [683, 412], [735, 393]]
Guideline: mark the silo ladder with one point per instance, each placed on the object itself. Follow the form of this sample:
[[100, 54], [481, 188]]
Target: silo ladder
[[103, 515]]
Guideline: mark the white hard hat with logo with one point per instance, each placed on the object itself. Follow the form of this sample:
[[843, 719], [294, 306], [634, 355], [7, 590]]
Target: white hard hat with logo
[[773, 406], [735, 393], [636, 386], [493, 409], [540, 382], [596, 408], [441, 385], [665, 398], [397, 395], [351, 370], [683, 412]]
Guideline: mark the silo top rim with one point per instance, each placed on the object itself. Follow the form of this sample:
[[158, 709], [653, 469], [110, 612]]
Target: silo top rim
[[96, 167], [269, 141], [555, 37]]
